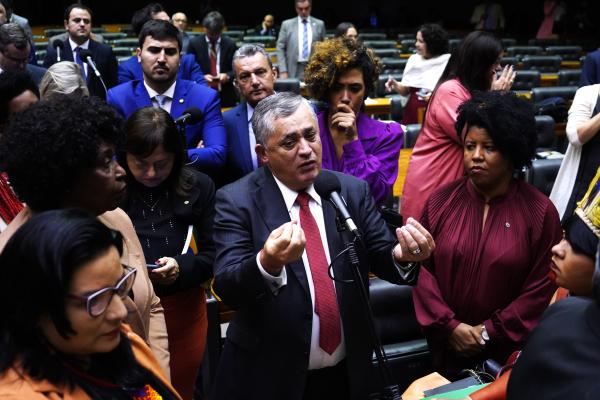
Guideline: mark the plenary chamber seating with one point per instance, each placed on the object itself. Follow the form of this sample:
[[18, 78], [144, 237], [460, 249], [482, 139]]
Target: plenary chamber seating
[[527, 80], [542, 174], [393, 65], [541, 93], [380, 44], [567, 53], [396, 324], [544, 126], [520, 51], [541, 63], [287, 85], [569, 77], [411, 134]]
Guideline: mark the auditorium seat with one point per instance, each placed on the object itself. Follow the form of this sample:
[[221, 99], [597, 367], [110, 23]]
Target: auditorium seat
[[508, 42], [408, 45], [393, 65], [126, 42], [542, 174], [405, 36], [567, 53], [454, 44], [123, 51], [526, 80], [569, 77], [40, 45], [380, 88], [543, 42], [542, 63], [520, 51], [235, 35], [264, 41], [381, 53], [53, 32], [287, 85], [396, 324], [411, 134], [110, 36], [365, 36], [397, 103], [541, 93], [380, 44], [514, 61], [544, 127]]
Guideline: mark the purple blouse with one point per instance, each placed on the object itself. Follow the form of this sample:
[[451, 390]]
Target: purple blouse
[[373, 157]]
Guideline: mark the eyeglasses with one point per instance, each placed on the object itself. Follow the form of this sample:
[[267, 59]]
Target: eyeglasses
[[97, 302]]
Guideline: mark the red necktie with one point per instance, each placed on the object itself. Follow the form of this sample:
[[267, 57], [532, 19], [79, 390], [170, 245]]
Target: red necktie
[[212, 52], [326, 306]]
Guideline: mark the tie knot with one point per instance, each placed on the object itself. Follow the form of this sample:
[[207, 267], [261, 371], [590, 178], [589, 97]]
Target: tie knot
[[305, 21], [303, 199]]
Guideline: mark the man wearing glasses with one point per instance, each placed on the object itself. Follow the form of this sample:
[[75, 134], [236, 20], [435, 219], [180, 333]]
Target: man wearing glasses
[[14, 52], [78, 23]]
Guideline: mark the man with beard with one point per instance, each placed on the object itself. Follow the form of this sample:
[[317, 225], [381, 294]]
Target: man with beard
[[159, 55]]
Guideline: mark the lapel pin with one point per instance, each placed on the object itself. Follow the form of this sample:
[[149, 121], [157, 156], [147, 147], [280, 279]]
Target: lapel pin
[[507, 224], [186, 202], [181, 101]]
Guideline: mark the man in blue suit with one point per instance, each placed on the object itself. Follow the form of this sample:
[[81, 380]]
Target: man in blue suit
[[14, 52], [78, 23], [254, 79], [159, 56], [130, 69]]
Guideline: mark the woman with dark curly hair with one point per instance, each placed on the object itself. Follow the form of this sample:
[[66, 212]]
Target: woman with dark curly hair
[[342, 72], [437, 156], [487, 283], [172, 208], [60, 153], [62, 334], [422, 71]]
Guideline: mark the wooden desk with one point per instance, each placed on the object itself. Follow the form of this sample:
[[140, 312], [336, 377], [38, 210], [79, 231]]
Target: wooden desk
[[402, 169], [378, 106]]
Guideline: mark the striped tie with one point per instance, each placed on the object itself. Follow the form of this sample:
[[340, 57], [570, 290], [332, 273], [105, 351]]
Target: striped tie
[[305, 40]]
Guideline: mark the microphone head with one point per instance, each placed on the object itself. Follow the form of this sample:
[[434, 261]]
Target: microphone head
[[195, 115], [58, 44], [84, 54], [326, 183]]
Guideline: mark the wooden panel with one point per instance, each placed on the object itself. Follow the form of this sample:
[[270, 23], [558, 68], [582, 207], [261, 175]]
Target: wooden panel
[[402, 168]]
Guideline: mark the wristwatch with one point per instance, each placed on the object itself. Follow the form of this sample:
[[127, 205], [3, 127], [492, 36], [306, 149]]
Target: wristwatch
[[484, 334]]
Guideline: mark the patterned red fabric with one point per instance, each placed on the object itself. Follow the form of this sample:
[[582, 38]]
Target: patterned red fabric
[[9, 203], [326, 306]]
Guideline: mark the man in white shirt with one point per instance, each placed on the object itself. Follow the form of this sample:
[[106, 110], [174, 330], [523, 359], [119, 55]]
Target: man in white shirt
[[297, 334], [254, 80], [295, 40], [78, 24]]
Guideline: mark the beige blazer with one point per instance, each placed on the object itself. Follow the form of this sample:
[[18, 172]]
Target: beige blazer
[[146, 315]]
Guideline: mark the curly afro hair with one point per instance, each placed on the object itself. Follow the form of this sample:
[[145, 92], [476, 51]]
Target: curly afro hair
[[436, 39], [50, 144], [508, 120], [334, 57]]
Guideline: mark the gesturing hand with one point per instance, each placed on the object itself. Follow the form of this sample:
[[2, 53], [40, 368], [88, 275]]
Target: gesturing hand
[[415, 243], [505, 80], [284, 245], [167, 272]]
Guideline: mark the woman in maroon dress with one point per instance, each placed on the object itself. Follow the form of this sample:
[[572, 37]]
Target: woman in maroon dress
[[486, 284]]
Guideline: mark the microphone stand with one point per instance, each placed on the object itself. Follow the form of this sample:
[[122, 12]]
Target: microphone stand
[[391, 391]]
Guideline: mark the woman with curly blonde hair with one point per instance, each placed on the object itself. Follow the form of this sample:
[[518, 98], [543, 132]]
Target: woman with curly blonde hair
[[341, 73]]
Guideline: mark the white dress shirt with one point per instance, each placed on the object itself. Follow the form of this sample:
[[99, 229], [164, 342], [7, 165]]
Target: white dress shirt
[[85, 45], [169, 93], [301, 36], [251, 137], [318, 357]]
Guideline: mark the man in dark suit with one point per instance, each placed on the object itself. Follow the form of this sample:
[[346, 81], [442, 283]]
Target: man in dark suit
[[78, 23], [296, 334], [214, 53], [590, 72], [254, 79], [159, 57], [296, 38], [14, 52], [130, 69]]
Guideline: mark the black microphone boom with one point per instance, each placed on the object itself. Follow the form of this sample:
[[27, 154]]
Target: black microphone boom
[[58, 45], [87, 56], [328, 186], [190, 116]]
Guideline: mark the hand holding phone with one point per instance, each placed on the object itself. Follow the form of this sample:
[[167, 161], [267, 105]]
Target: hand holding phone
[[152, 266]]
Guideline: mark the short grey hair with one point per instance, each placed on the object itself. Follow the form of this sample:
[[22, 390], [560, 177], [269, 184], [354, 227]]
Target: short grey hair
[[248, 50], [214, 22], [64, 77], [272, 108], [12, 33]]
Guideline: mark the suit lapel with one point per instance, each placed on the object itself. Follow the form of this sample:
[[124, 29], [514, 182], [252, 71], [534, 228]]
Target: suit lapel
[[243, 137], [179, 105], [67, 53], [142, 98], [271, 207]]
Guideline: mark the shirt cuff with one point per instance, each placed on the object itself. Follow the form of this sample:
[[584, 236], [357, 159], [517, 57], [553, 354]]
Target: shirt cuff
[[491, 330], [275, 282]]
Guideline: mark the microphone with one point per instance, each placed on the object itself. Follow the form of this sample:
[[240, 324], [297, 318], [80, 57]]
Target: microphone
[[58, 45], [328, 186], [87, 56], [190, 116]]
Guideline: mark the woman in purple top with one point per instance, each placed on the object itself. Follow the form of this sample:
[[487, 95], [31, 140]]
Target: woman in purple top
[[342, 72], [486, 284]]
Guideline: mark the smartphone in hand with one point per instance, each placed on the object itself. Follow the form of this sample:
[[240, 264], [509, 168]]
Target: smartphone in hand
[[152, 266]]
